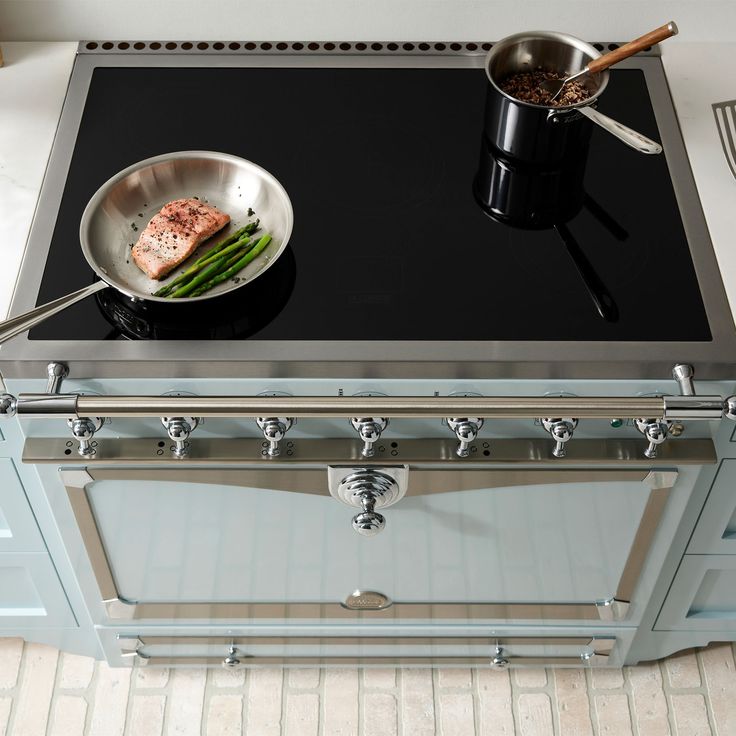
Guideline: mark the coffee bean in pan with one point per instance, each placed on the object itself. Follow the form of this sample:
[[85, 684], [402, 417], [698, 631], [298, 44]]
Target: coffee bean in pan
[[526, 86]]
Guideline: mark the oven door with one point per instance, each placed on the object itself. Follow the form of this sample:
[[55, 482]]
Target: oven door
[[246, 543]]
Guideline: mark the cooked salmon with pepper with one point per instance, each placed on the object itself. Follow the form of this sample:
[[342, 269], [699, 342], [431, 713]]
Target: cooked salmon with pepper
[[174, 234]]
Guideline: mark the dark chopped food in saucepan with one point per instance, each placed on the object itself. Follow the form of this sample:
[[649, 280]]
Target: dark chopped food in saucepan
[[526, 86]]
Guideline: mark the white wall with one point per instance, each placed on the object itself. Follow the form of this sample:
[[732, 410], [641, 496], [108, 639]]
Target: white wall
[[398, 20]]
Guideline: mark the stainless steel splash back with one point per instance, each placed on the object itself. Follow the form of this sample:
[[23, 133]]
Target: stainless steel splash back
[[599, 358]]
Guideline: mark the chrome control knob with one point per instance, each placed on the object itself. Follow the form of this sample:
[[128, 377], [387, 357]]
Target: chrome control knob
[[179, 429], [499, 662], [655, 431], [466, 430], [83, 430], [561, 431], [369, 430], [274, 430], [8, 406]]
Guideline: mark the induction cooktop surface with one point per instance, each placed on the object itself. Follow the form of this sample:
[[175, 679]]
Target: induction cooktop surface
[[390, 242]]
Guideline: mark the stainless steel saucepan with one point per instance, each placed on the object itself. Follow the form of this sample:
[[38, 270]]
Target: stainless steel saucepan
[[230, 183]]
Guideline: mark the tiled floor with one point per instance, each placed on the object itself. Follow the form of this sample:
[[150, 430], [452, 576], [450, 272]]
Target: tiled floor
[[43, 691]]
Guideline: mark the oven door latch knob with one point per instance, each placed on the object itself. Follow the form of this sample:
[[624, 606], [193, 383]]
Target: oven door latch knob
[[179, 429], [368, 522], [369, 430], [274, 430], [655, 431], [368, 489], [466, 430], [83, 430], [561, 431]]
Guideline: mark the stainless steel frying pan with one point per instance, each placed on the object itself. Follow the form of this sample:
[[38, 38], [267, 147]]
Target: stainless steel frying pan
[[229, 183]]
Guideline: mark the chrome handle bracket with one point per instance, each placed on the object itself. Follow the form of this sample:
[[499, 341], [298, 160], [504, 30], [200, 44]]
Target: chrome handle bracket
[[466, 430], [179, 430], [274, 430], [561, 430], [369, 430], [499, 661], [56, 373]]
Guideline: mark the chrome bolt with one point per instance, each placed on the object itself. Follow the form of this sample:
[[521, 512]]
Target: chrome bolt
[[729, 408]]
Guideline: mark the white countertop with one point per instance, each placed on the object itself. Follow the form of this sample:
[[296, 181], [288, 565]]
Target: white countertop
[[35, 76]]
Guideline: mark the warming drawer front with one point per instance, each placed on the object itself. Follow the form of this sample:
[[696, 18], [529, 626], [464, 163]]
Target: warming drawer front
[[247, 543]]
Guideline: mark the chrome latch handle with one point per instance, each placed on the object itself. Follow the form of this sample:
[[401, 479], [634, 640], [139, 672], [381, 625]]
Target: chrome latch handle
[[655, 431], [179, 430], [368, 489], [561, 430], [83, 430], [369, 430], [466, 430]]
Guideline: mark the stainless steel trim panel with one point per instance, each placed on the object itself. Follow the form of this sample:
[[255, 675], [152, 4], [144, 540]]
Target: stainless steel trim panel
[[216, 453], [659, 484], [399, 359]]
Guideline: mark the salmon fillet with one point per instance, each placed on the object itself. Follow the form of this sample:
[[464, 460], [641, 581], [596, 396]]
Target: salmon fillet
[[174, 234]]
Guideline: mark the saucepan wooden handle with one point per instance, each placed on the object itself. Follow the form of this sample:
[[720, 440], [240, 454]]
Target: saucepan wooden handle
[[633, 47]]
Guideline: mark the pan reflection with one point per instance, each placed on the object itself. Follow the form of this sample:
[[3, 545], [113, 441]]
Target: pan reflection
[[538, 198]]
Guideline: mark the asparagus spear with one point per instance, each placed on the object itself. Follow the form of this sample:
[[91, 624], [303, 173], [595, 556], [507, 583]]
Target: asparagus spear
[[183, 278], [249, 229], [237, 266], [238, 235], [201, 278]]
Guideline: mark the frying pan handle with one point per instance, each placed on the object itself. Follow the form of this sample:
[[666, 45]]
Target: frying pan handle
[[15, 325]]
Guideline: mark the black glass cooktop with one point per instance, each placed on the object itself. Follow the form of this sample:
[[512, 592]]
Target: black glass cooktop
[[390, 242]]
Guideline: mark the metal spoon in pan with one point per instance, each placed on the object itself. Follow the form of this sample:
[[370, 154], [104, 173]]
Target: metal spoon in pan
[[555, 86]]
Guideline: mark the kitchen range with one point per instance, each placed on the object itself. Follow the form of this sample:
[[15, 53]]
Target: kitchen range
[[455, 421]]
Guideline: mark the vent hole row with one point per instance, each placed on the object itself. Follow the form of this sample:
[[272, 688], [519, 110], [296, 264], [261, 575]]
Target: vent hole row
[[282, 46]]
